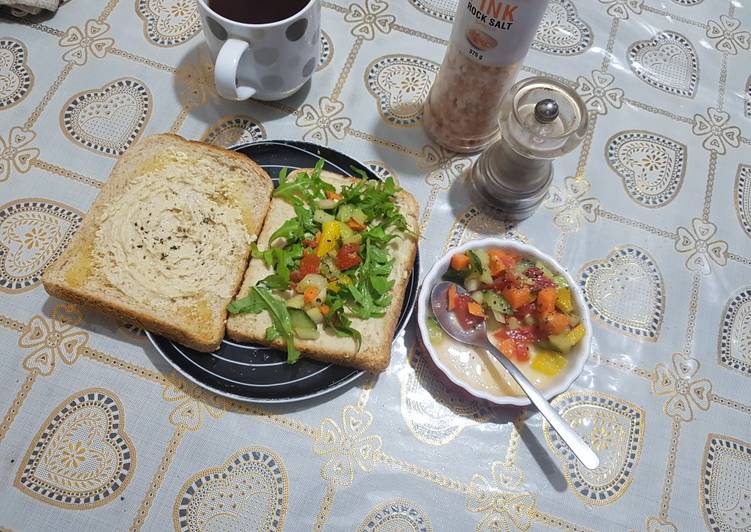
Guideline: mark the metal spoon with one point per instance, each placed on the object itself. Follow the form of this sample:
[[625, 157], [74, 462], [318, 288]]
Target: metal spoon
[[479, 337]]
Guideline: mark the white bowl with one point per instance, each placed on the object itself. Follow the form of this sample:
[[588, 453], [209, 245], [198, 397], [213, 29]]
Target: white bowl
[[577, 357]]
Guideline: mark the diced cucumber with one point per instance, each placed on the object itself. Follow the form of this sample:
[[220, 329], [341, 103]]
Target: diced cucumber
[[560, 281], [356, 238], [296, 301], [485, 275], [345, 212], [322, 217], [471, 284], [303, 325], [565, 341], [345, 231], [359, 216], [545, 270], [477, 297], [315, 314], [435, 333], [498, 306], [523, 266]]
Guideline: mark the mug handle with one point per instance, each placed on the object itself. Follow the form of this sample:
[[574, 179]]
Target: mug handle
[[225, 71]]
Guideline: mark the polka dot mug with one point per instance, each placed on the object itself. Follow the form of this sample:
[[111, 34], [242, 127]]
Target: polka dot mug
[[263, 61]]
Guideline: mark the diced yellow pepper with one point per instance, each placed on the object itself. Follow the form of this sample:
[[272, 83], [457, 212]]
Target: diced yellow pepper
[[330, 232], [333, 286], [548, 362], [344, 279], [563, 300], [576, 334]]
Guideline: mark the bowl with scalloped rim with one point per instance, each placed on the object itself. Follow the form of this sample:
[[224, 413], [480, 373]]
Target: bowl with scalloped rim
[[551, 387]]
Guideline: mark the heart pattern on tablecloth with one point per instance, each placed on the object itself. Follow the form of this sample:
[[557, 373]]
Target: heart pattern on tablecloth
[[651, 165], [668, 62], [562, 31], [327, 51], [743, 197], [440, 9], [33, 233], [81, 457], [434, 413], [249, 491], [734, 344], [108, 120], [400, 84], [626, 291], [396, 515], [16, 77], [474, 223], [169, 22], [614, 428], [726, 485], [233, 130]]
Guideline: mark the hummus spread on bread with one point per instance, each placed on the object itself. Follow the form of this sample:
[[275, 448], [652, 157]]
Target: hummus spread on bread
[[151, 243]]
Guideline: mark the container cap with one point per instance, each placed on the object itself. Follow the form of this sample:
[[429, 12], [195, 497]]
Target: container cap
[[542, 118]]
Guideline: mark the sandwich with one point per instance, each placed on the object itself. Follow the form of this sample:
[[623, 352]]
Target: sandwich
[[329, 271], [167, 241]]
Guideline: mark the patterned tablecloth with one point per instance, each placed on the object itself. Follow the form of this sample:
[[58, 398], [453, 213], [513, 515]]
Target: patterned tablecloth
[[652, 215]]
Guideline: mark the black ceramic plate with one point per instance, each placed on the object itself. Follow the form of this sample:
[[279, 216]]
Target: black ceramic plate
[[260, 374]]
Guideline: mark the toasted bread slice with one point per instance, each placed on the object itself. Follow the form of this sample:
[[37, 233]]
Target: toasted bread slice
[[377, 333], [167, 241]]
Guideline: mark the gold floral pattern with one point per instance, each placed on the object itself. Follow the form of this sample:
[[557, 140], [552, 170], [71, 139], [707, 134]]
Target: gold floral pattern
[[169, 22], [323, 122], [620, 8], [90, 41], [249, 491], [16, 78], [347, 446], [597, 92], [502, 499], [53, 340], [193, 404], [570, 205], [397, 514], [442, 166], [714, 126], [33, 232], [16, 152], [727, 36], [370, 19], [703, 249], [81, 457], [684, 391]]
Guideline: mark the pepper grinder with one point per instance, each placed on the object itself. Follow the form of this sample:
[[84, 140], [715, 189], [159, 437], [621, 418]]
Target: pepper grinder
[[541, 119]]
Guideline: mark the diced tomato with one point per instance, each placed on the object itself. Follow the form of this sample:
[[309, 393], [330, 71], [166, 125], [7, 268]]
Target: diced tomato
[[333, 195], [310, 263], [517, 296], [295, 276], [540, 281], [348, 256], [521, 352], [466, 320], [522, 334], [504, 280], [313, 243], [554, 323], [525, 310]]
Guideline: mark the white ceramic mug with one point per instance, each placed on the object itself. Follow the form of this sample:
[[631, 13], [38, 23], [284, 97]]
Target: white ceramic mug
[[263, 61]]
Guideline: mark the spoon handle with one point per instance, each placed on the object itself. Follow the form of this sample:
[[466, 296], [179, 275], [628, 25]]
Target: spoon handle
[[577, 445]]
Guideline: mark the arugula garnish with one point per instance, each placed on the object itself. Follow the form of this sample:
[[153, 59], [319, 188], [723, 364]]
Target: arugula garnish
[[259, 299], [367, 292]]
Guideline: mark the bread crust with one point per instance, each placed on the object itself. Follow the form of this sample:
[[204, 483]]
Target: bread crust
[[375, 352], [136, 312]]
